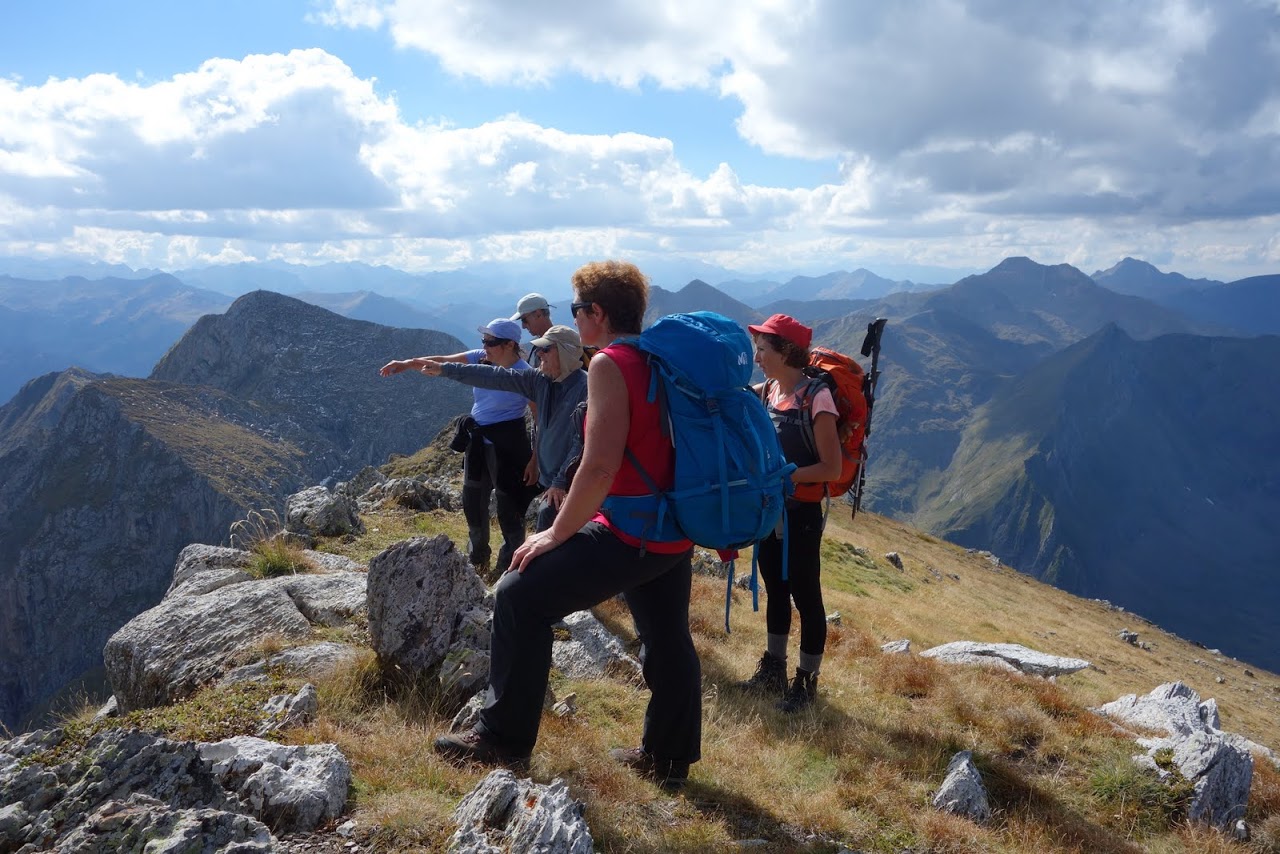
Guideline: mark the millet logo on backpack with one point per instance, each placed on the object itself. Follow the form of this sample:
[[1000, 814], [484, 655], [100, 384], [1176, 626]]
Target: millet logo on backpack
[[743, 359]]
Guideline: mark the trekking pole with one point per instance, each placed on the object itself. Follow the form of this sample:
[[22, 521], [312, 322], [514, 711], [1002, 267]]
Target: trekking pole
[[870, 347]]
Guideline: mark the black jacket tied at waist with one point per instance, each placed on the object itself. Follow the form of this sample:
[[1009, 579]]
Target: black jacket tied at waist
[[511, 447]]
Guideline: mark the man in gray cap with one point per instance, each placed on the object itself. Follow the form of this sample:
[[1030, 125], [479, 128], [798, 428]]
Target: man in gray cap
[[534, 313]]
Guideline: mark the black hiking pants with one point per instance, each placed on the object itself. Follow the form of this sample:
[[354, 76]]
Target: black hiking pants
[[590, 567], [804, 577], [479, 482]]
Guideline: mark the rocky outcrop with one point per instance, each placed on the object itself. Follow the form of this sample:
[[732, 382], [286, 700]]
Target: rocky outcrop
[[1219, 765], [200, 632], [1006, 656], [504, 813], [418, 589], [591, 651], [126, 790], [104, 480], [316, 511]]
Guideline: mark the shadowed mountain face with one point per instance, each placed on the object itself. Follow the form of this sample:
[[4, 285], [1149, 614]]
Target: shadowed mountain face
[[1147, 473], [104, 480], [1251, 305]]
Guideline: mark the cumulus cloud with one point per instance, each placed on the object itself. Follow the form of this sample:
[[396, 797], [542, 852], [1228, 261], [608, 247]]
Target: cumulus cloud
[[1166, 108]]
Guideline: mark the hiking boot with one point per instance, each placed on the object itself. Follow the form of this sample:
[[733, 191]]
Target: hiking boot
[[667, 773], [474, 746], [801, 694], [770, 677]]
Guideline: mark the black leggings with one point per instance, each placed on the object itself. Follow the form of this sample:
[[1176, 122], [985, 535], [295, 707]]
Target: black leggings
[[804, 577]]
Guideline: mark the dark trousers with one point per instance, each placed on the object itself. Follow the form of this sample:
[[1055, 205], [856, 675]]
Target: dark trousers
[[590, 567], [547, 513], [478, 481], [804, 577]]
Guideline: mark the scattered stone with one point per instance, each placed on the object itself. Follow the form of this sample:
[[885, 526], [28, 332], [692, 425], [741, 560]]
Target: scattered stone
[[508, 814], [318, 512], [1129, 637], [143, 824], [110, 709], [1220, 680], [834, 619], [417, 590], [410, 493], [285, 711], [962, 792], [290, 788], [1219, 765], [592, 651], [898, 647], [895, 559], [1249, 673], [1240, 831], [1006, 656], [347, 828], [566, 707]]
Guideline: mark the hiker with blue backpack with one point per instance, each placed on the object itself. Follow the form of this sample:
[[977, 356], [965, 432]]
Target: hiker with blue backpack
[[608, 538], [804, 414]]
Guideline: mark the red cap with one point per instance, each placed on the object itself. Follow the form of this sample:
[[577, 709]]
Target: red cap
[[786, 326]]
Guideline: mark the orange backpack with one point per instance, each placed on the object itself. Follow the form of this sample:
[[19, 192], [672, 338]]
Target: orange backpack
[[845, 378]]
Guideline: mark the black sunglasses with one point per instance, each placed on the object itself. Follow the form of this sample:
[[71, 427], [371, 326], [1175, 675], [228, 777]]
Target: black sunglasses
[[576, 307], [547, 349], [493, 342]]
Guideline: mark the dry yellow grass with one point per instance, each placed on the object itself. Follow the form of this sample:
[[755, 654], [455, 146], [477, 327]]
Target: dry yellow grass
[[859, 769]]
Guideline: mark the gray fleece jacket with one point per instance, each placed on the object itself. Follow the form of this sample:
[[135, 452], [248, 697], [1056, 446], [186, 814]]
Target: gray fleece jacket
[[559, 439]]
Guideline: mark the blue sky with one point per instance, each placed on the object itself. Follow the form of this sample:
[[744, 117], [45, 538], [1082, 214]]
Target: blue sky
[[766, 135]]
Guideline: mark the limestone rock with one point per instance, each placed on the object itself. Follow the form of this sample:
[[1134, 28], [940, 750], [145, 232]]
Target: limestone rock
[[1219, 765], [45, 803], [466, 663], [168, 652], [290, 788], [898, 647], [312, 660], [364, 480], [285, 711], [962, 792], [319, 512], [199, 558], [508, 814], [592, 651], [143, 825], [895, 559], [410, 493], [417, 590], [1006, 656]]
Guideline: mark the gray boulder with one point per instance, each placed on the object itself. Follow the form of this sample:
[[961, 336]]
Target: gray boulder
[[592, 651], [1218, 764], [898, 647], [507, 814], [318, 512], [417, 591], [285, 711], [142, 825], [198, 558], [410, 493], [962, 792], [290, 788], [1006, 656], [364, 480], [465, 668], [45, 803], [187, 641]]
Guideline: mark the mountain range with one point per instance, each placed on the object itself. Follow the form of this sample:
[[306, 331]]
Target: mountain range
[[104, 479], [1119, 446]]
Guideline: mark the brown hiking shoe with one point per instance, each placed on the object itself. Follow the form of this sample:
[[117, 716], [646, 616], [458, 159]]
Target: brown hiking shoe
[[667, 773], [770, 677], [802, 694], [474, 746]]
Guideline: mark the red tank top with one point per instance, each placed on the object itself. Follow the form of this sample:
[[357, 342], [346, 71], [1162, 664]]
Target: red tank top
[[646, 439]]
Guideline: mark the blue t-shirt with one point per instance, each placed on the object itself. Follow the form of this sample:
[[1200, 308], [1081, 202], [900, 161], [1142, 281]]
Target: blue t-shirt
[[490, 407]]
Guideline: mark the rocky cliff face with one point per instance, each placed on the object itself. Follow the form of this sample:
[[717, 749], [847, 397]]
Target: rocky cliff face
[[104, 480]]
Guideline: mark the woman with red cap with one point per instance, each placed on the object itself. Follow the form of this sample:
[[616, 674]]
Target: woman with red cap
[[782, 352]]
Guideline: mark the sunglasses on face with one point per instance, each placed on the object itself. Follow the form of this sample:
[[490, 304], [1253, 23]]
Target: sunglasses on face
[[574, 308], [547, 349], [493, 342]]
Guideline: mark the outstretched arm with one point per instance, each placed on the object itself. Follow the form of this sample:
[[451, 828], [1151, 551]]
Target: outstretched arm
[[416, 364]]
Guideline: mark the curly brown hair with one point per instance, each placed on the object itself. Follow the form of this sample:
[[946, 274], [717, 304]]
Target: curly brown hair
[[792, 356], [619, 288]]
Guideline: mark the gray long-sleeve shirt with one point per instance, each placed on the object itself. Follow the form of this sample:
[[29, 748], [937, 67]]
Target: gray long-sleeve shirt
[[559, 440]]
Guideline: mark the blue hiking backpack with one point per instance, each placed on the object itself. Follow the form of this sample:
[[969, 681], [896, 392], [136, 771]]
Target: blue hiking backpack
[[731, 478]]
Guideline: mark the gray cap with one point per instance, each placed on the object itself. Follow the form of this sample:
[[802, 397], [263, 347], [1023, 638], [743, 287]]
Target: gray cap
[[528, 303]]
